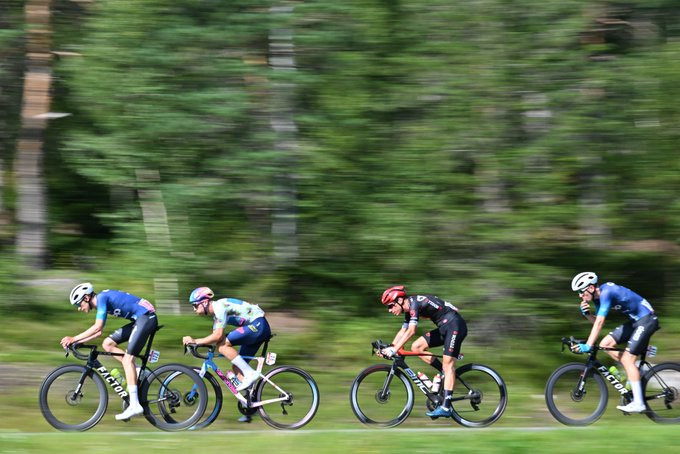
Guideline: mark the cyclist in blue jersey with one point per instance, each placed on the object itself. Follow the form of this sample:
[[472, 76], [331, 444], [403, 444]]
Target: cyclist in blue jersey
[[450, 333], [143, 322], [252, 329], [636, 332]]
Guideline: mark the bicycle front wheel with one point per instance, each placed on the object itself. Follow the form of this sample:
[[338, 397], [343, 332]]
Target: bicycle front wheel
[[661, 387], [574, 401], [73, 398], [380, 398], [174, 397], [479, 396], [213, 401], [293, 396]]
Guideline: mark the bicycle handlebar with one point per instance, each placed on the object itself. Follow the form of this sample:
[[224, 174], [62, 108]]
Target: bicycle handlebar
[[73, 348], [193, 349], [571, 341]]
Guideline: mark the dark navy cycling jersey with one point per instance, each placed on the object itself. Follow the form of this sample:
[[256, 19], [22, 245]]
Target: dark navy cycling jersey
[[618, 297], [428, 306], [121, 304]]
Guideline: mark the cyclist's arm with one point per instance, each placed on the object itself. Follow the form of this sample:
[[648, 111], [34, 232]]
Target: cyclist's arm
[[213, 338], [403, 336], [90, 333], [595, 331]]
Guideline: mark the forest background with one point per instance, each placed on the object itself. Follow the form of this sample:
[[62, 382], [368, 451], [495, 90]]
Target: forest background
[[305, 155]]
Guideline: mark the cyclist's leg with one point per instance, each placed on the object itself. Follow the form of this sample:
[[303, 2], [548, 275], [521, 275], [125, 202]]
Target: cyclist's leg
[[619, 335], [454, 333], [141, 330], [428, 340], [122, 334], [241, 336]]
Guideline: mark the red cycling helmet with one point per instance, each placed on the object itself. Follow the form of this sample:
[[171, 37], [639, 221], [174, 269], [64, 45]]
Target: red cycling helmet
[[393, 293]]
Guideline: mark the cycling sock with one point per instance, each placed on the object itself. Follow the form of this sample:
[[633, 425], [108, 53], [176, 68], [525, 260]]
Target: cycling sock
[[448, 394], [134, 400], [242, 364], [437, 364], [637, 392]]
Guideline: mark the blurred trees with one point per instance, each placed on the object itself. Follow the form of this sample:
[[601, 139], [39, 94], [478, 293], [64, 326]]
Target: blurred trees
[[485, 152]]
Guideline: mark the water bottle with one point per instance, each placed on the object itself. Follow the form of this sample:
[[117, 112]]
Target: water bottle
[[620, 376], [426, 381], [436, 383], [115, 373]]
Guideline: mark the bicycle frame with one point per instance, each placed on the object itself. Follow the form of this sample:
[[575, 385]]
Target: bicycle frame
[[593, 364], [209, 363], [93, 364], [399, 362]]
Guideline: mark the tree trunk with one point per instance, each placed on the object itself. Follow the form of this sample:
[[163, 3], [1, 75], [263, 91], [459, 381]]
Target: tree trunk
[[28, 166]]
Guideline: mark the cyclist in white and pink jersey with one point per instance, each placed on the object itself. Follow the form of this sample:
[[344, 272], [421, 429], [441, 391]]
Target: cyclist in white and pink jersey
[[252, 329]]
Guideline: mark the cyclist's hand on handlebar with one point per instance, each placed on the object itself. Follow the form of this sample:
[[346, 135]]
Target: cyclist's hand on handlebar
[[66, 341], [387, 352], [580, 348], [187, 340]]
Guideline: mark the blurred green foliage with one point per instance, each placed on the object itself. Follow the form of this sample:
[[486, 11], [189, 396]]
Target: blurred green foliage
[[482, 151]]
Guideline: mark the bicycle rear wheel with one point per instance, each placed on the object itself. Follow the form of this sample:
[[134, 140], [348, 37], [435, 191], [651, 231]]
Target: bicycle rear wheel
[[302, 399], [569, 404], [73, 398], [661, 387], [379, 398], [174, 397], [484, 396]]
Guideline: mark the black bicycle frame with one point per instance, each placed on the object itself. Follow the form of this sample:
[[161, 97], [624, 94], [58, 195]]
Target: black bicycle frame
[[400, 363], [93, 364]]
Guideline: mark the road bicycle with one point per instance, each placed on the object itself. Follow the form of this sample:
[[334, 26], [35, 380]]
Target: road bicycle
[[75, 397], [286, 397], [382, 395], [577, 394]]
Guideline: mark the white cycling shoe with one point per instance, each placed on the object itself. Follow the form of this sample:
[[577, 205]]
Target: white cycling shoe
[[248, 380], [632, 407], [132, 410]]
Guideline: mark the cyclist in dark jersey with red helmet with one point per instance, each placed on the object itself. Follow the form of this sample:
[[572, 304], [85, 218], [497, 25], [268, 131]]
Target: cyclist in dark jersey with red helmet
[[450, 333]]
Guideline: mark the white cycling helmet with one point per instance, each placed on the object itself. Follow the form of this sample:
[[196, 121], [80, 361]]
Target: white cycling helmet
[[583, 280], [79, 292]]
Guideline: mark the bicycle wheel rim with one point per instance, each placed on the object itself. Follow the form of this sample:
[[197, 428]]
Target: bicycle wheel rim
[[174, 397], [300, 406], [569, 406], [371, 406], [67, 410], [213, 401], [483, 393], [662, 393]]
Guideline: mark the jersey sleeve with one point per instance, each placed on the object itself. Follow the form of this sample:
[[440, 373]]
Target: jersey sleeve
[[605, 302], [102, 305], [414, 313], [220, 318]]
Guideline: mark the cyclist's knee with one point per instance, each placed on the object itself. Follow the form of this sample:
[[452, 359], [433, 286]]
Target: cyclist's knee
[[108, 344], [608, 342]]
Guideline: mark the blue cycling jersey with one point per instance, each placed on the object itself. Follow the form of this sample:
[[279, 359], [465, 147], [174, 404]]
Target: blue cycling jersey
[[121, 304], [620, 298]]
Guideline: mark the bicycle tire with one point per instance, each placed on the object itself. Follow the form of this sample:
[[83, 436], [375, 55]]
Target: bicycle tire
[[661, 388], [487, 393], [55, 414], [164, 394], [373, 378], [560, 392], [295, 382], [214, 411]]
